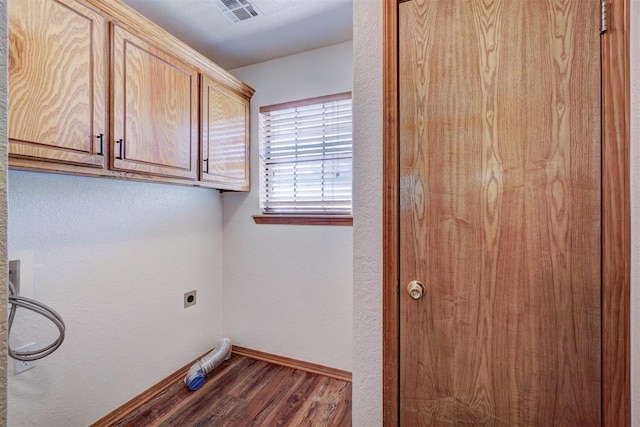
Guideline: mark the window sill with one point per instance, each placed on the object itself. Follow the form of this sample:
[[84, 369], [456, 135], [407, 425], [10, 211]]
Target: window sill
[[304, 219]]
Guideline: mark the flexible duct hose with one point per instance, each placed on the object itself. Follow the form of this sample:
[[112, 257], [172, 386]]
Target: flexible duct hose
[[195, 377]]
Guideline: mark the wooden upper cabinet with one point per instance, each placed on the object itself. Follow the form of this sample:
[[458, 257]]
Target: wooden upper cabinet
[[155, 109], [225, 137], [96, 89], [57, 82]]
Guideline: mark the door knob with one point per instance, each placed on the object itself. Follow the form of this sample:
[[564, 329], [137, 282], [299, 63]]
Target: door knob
[[416, 289]]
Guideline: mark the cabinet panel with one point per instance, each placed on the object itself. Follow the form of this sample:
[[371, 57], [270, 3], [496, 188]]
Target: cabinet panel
[[225, 137], [57, 81], [155, 105]]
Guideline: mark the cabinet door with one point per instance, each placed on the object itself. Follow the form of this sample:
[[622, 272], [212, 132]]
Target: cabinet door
[[225, 137], [155, 109], [57, 82]]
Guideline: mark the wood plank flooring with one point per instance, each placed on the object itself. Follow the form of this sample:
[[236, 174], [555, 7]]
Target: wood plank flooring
[[249, 392]]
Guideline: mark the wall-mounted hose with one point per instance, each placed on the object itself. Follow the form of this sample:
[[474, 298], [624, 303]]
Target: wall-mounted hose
[[195, 377], [50, 314]]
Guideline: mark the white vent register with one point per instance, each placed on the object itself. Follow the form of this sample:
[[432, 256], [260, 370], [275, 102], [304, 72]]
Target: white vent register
[[238, 10]]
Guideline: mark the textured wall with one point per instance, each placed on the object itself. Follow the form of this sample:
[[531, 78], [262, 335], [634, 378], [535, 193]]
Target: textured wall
[[288, 288], [114, 259], [3, 211], [635, 211], [367, 240]]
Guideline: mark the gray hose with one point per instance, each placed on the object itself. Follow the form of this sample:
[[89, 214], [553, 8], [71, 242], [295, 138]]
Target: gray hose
[[221, 352], [50, 314]]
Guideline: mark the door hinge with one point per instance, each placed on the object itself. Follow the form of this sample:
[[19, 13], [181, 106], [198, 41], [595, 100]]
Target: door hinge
[[604, 16]]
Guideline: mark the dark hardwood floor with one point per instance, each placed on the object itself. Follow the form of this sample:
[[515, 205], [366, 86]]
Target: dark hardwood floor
[[249, 392]]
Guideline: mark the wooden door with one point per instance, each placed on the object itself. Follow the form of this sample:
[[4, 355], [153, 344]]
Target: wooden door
[[225, 137], [57, 82], [500, 213], [155, 109]]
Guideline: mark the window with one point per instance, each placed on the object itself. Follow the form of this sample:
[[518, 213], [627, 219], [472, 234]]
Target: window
[[306, 157]]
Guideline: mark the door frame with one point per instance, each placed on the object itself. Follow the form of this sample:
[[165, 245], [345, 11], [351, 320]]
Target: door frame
[[616, 214]]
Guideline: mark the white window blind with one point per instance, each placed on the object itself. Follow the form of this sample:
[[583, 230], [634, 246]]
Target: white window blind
[[306, 157]]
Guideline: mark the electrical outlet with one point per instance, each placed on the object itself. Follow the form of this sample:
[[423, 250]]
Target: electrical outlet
[[19, 366], [189, 299]]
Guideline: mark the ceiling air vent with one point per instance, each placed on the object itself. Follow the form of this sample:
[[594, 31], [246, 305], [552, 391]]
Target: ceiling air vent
[[238, 10]]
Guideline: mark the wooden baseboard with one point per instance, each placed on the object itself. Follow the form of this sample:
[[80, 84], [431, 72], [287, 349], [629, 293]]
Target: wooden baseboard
[[143, 398], [146, 396], [293, 363]]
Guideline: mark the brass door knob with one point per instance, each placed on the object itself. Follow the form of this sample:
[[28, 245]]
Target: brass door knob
[[415, 289]]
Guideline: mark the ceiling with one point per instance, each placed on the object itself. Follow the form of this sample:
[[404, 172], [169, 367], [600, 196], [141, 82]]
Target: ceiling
[[285, 27]]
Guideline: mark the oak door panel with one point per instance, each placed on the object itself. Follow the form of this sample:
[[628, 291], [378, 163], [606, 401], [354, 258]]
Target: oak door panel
[[225, 137], [500, 212], [155, 109], [57, 81]]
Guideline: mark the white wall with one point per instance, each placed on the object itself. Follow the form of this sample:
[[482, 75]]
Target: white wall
[[288, 288], [635, 212], [367, 369], [367, 238], [114, 259]]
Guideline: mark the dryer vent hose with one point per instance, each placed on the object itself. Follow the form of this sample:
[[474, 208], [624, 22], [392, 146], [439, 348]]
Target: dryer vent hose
[[221, 352]]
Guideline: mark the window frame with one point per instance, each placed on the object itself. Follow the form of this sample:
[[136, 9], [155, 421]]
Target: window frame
[[304, 219]]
